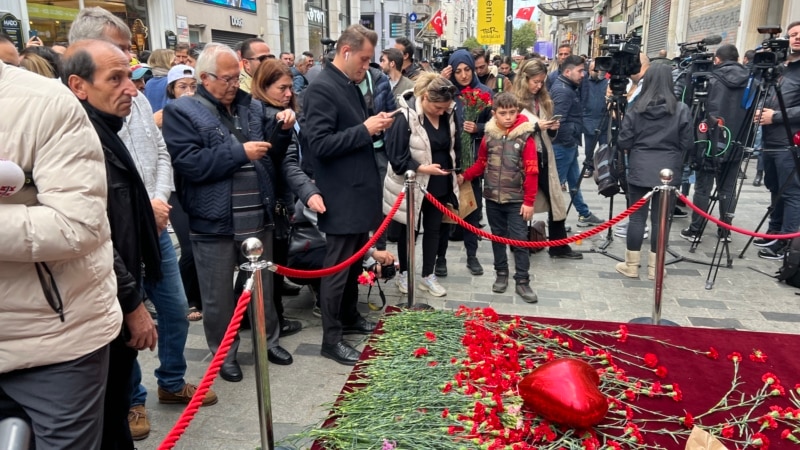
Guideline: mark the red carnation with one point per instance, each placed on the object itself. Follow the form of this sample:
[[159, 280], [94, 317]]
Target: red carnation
[[650, 360], [420, 352]]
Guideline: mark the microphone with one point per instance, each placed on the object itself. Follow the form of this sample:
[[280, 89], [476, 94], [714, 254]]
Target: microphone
[[12, 178], [714, 39]]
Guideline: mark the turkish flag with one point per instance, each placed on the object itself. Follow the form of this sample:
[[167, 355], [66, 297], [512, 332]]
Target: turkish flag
[[438, 21], [525, 13]]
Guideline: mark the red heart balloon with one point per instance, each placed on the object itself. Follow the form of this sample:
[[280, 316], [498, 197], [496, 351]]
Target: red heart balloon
[[565, 391]]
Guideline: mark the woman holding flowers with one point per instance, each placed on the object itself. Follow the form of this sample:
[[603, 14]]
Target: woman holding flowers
[[472, 111], [423, 138], [529, 86]]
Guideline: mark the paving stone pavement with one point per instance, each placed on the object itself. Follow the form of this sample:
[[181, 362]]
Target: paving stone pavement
[[590, 289]]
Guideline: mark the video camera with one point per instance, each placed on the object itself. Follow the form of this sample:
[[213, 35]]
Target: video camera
[[441, 57], [774, 48], [330, 47], [622, 59]]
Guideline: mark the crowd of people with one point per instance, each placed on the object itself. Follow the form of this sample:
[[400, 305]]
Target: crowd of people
[[220, 144]]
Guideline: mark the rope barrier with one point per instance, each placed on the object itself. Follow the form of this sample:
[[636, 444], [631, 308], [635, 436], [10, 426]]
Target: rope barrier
[[539, 244], [211, 373], [730, 227], [286, 271]]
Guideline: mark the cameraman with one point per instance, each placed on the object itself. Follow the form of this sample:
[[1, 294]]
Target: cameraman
[[726, 89], [779, 165]]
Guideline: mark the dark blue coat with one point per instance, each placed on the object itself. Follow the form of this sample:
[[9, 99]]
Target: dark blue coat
[[463, 56], [567, 103], [382, 92], [593, 101], [205, 155], [341, 153]]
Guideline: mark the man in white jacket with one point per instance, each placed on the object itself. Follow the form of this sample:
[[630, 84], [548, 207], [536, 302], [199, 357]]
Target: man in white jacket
[[59, 310]]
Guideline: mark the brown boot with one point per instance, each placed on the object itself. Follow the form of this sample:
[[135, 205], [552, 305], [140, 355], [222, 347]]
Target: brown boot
[[138, 423], [185, 395], [630, 267]]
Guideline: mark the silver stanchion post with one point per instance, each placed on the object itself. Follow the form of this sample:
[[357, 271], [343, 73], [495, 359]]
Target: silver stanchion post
[[252, 248], [411, 221], [15, 434], [661, 249]]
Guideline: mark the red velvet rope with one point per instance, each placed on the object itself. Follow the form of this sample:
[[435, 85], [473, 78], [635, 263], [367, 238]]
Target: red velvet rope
[[286, 271], [539, 244], [730, 227], [208, 379]]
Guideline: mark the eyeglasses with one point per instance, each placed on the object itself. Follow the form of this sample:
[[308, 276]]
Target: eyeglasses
[[261, 58], [445, 90], [230, 81]]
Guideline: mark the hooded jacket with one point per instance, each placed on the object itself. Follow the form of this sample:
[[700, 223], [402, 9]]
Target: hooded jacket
[[508, 159], [656, 140], [726, 89], [459, 57], [775, 134]]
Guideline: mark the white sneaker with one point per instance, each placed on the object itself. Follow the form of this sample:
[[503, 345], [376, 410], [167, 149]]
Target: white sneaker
[[431, 284], [402, 282]]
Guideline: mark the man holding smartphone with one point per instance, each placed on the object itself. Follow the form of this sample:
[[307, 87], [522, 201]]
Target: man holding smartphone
[[567, 107]]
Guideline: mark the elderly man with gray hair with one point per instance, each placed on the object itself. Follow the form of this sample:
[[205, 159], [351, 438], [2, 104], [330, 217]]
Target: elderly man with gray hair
[[226, 188], [299, 80]]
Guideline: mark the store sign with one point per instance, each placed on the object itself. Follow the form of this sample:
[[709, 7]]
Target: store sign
[[636, 16], [237, 22], [368, 22], [316, 16], [491, 22], [183, 29], [41, 11]]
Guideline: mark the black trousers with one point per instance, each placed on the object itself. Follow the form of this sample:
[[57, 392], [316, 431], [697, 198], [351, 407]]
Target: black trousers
[[431, 242], [556, 229], [116, 431], [339, 292]]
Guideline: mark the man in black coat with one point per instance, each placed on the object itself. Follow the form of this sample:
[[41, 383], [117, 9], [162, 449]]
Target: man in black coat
[[726, 89], [98, 74], [340, 146]]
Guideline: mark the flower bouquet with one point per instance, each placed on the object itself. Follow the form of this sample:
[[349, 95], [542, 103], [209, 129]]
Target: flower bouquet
[[474, 101]]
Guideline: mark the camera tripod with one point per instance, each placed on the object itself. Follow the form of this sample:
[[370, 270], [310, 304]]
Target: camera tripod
[[611, 122], [769, 82]]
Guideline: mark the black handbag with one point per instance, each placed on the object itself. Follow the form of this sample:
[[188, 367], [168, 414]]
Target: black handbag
[[304, 237], [281, 220], [537, 233]]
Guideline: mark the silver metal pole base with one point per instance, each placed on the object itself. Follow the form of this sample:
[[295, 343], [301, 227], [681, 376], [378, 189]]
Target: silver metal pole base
[[649, 321]]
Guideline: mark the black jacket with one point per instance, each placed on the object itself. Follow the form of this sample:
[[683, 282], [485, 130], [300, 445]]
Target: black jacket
[[567, 102], [775, 134], [133, 225], [656, 140], [725, 92], [284, 155], [341, 152]]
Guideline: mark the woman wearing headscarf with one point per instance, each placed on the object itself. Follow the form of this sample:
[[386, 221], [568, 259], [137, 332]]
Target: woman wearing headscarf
[[461, 72]]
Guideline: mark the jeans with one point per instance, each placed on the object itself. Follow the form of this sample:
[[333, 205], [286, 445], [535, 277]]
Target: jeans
[[169, 299], [505, 221], [569, 172], [704, 183], [638, 219], [779, 169], [216, 257]]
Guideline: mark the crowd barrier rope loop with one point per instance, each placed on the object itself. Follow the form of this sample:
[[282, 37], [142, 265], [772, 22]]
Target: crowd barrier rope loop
[[208, 379], [286, 271], [730, 227], [539, 244]]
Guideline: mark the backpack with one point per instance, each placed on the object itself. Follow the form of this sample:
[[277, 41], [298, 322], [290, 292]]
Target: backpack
[[790, 270], [714, 145], [607, 172]]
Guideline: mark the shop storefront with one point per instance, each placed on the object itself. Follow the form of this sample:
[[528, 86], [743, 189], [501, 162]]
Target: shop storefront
[[218, 21], [317, 24], [52, 22]]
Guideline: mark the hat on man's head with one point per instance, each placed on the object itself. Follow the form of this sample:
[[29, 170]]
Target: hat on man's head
[[140, 70], [178, 72]]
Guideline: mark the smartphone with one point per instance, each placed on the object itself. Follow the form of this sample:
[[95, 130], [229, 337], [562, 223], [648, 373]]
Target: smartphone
[[556, 117], [33, 33], [275, 130]]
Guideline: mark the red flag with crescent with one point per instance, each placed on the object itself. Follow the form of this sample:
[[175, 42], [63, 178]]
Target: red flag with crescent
[[438, 21], [525, 13]]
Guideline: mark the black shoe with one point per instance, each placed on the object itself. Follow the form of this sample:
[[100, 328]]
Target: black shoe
[[588, 174], [230, 371], [360, 326], [679, 213], [762, 242], [774, 251], [759, 177], [500, 283], [474, 265], [290, 327], [690, 235], [341, 352], [724, 235], [570, 254], [290, 288], [742, 176], [279, 355], [440, 270], [524, 290]]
